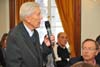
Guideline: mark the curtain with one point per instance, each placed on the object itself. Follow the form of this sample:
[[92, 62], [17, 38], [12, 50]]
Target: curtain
[[66, 12]]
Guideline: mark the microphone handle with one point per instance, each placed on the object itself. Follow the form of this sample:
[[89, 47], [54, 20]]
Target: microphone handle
[[49, 33]]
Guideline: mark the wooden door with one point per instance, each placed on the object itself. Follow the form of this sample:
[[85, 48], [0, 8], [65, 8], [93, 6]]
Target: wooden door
[[14, 6]]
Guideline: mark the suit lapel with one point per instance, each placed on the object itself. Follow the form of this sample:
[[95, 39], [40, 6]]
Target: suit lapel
[[35, 51], [37, 45], [27, 40]]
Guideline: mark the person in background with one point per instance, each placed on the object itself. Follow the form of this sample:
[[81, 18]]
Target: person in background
[[61, 52], [3, 49], [2, 60], [3, 43], [98, 41], [23, 43], [49, 59], [82, 64], [89, 52]]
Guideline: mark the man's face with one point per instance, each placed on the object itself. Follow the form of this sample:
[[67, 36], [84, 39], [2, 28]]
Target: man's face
[[62, 40], [35, 18], [89, 50]]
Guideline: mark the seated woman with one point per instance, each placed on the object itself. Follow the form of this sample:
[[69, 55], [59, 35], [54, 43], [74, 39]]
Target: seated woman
[[3, 49]]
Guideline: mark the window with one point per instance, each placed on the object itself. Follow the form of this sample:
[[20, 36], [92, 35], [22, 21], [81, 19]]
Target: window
[[50, 12]]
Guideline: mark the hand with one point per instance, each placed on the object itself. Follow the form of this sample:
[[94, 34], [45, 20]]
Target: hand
[[47, 41]]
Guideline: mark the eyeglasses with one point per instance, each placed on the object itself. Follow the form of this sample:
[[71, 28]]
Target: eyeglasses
[[89, 49]]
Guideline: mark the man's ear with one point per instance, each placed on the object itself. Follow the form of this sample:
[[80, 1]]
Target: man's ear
[[27, 18], [97, 52]]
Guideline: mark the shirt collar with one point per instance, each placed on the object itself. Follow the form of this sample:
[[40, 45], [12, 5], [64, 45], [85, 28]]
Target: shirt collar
[[30, 32]]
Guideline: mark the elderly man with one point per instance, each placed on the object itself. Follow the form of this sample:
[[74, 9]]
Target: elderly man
[[89, 52], [60, 50], [23, 45]]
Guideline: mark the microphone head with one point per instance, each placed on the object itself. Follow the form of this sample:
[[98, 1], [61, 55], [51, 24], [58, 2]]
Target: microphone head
[[47, 24]]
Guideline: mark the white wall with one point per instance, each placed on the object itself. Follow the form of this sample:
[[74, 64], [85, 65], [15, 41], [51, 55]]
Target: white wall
[[90, 19], [4, 16]]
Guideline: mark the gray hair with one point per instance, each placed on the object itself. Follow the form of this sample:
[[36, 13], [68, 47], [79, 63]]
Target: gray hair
[[27, 9], [96, 44]]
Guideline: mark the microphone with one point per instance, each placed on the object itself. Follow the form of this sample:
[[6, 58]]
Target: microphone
[[49, 33], [48, 28]]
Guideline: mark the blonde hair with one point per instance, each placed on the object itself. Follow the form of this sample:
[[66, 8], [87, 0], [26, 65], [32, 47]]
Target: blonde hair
[[83, 64]]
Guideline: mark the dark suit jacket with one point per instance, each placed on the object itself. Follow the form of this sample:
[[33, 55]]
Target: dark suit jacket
[[2, 60], [63, 54], [98, 57], [77, 59], [21, 51]]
